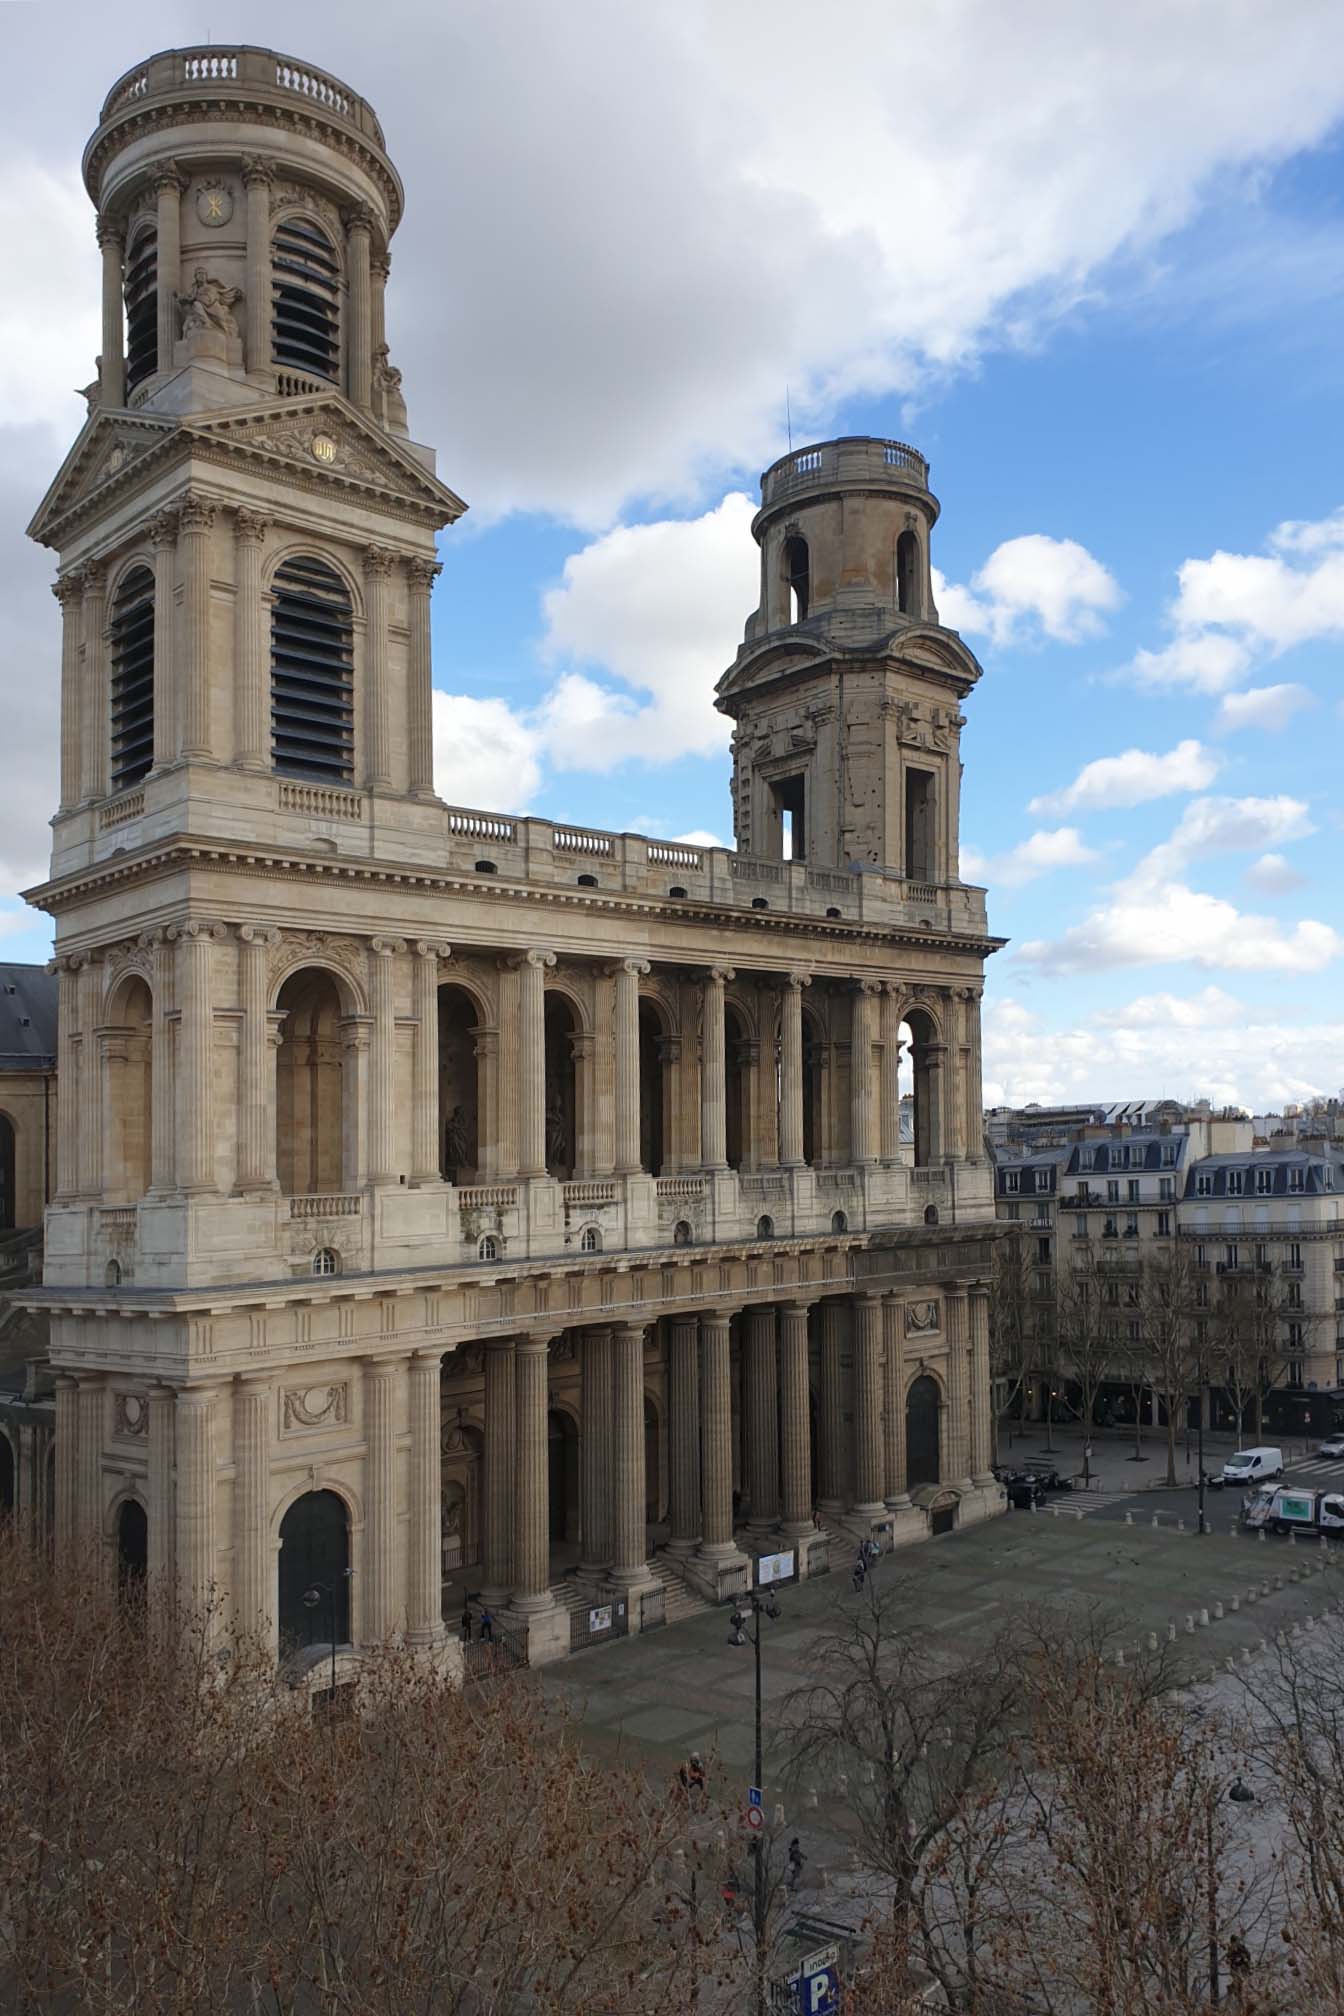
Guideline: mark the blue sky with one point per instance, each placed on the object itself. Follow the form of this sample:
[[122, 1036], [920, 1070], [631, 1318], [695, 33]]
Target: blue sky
[[1091, 267]]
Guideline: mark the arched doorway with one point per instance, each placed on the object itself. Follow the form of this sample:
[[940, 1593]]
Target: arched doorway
[[132, 1549], [653, 1481], [8, 1204], [652, 1093], [6, 1476], [314, 1553], [922, 1464], [562, 1454], [459, 1086], [128, 1091], [561, 1087], [309, 1086], [736, 1066]]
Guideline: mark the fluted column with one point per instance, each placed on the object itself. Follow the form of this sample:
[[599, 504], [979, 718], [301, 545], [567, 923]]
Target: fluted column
[[595, 1451], [159, 1539], [975, 1095], [378, 565], [791, 1072], [893, 1400], [867, 1312], [67, 1069], [628, 975], [256, 1123], [795, 1421], [163, 532], [96, 736], [194, 540], [382, 1380], [359, 342], [890, 1127], [90, 1090], [168, 187], [683, 1411], [863, 1132], [760, 1404], [252, 657], [420, 575], [716, 1401], [628, 1549], [982, 1392], [425, 1062], [195, 1506], [252, 1556], [956, 1315], [834, 1468], [69, 592], [713, 1071], [258, 177], [195, 1058], [531, 1495], [424, 1559], [380, 271], [532, 1062], [384, 1134], [112, 364], [497, 1553], [954, 1072], [67, 1469]]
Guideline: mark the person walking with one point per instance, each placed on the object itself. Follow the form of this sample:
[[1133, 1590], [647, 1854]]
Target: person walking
[[487, 1627], [466, 1622]]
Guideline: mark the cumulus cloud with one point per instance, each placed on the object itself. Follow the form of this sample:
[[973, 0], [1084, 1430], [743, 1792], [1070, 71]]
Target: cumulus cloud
[[1226, 826], [1132, 778], [1210, 1008], [1031, 585], [1274, 875], [1202, 664], [1266, 709], [1039, 854], [484, 754]]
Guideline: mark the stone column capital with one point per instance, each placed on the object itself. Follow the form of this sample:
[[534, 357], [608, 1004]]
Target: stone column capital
[[719, 976], [636, 968], [250, 526], [197, 513], [110, 231], [869, 987], [432, 949], [380, 265], [92, 577], [535, 1343], [258, 171], [422, 574], [379, 561], [359, 217], [629, 1330], [195, 931], [533, 958], [797, 981], [168, 176], [387, 948], [260, 935], [246, 1385], [68, 590]]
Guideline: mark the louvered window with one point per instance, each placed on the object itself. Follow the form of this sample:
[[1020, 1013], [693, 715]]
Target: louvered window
[[312, 673], [142, 308], [132, 637], [305, 324]]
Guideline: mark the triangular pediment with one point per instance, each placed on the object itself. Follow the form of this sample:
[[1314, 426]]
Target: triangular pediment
[[104, 456], [326, 437]]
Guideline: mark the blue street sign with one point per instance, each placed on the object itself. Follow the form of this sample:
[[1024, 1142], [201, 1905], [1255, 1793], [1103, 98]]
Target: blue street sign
[[753, 1795], [819, 1994]]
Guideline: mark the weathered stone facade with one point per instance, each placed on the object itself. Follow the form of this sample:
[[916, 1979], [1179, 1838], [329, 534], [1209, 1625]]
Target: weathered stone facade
[[436, 1186]]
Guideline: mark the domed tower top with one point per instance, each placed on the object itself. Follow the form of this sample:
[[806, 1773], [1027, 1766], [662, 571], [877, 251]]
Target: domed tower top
[[847, 689], [245, 207]]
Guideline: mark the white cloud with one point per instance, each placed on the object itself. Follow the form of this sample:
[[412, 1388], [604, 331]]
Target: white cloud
[[1211, 1008], [1132, 778], [1274, 875], [1225, 826], [484, 754], [1038, 854], [1266, 709], [1030, 584]]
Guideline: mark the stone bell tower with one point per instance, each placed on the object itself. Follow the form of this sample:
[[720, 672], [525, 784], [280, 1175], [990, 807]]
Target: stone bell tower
[[847, 691]]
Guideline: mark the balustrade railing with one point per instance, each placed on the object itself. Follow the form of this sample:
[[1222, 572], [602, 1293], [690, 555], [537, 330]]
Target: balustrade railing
[[481, 825], [930, 1179], [321, 801], [488, 1197], [573, 840], [118, 810], [325, 1207], [585, 1194], [668, 854], [680, 1188]]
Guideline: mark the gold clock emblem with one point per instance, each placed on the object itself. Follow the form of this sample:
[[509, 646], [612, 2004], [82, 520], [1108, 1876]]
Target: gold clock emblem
[[324, 448], [214, 204]]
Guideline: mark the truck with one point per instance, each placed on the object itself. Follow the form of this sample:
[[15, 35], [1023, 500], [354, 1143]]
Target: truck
[[1286, 1508]]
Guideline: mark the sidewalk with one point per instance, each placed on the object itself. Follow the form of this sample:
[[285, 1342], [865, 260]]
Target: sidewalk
[[1112, 1466]]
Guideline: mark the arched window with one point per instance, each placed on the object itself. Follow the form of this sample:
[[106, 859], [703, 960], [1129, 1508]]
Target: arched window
[[305, 299], [798, 576], [326, 1260], [839, 1222], [590, 1240], [682, 1234], [907, 574], [312, 673], [765, 1228], [112, 1274], [132, 699], [487, 1247], [142, 307]]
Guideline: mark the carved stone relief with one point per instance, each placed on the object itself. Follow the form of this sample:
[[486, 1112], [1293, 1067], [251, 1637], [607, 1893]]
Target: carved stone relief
[[316, 1407], [922, 1319], [130, 1413]]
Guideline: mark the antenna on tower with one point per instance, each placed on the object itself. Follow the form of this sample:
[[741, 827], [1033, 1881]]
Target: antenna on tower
[[788, 418]]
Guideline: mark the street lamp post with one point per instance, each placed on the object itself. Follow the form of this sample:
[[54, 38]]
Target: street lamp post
[[758, 1609], [312, 1596], [1240, 1795], [1203, 1526]]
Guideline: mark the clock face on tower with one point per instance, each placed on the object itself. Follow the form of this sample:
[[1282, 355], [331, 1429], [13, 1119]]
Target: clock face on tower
[[214, 204]]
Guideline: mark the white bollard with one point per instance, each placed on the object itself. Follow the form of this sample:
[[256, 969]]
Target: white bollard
[[1129, 1518], [1154, 1518], [1189, 1623], [1171, 1634], [1180, 1525], [1234, 1529], [1245, 1655], [1217, 1610], [1236, 1603], [1263, 1535], [1054, 1511], [1292, 1538], [1152, 1641], [1204, 1618]]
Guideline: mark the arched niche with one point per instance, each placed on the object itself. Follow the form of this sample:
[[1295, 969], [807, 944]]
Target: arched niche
[[313, 1088], [461, 1083], [923, 1410], [128, 1090], [314, 1554]]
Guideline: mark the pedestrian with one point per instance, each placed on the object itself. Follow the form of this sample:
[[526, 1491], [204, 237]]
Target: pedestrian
[[795, 1863], [487, 1627], [466, 1623], [696, 1774], [860, 1573], [874, 1549]]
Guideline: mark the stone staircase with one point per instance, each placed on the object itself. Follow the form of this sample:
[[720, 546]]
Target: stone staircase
[[680, 1600]]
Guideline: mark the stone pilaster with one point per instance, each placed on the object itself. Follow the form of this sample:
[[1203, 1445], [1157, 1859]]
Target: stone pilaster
[[256, 1124], [532, 1062], [867, 1318], [67, 1469], [982, 1390], [112, 364], [380, 272], [791, 1072], [195, 1059], [359, 340], [159, 1539], [195, 534], [163, 532], [168, 187], [424, 1563], [90, 1090], [420, 576], [683, 1407], [383, 1385], [384, 1132], [425, 1062], [893, 1400], [497, 1554], [834, 1467], [628, 1549], [628, 975], [258, 177], [863, 1116], [253, 1561], [595, 1451], [761, 1408], [716, 1401], [195, 1502], [975, 1139], [378, 565], [795, 1423], [67, 1069], [531, 1498], [958, 1448], [713, 1070], [69, 592], [96, 737], [890, 1103], [252, 656]]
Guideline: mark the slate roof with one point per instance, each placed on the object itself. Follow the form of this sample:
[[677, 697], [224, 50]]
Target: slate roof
[[27, 1018]]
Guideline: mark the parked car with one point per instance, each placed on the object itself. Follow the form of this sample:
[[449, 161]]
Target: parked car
[[1252, 1466], [1333, 1445]]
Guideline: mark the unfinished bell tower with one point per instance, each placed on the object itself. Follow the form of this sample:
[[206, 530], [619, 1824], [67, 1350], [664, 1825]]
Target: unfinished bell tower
[[847, 691]]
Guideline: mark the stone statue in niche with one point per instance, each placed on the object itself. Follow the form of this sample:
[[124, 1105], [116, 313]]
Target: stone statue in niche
[[557, 1134], [208, 308], [387, 388], [456, 1144]]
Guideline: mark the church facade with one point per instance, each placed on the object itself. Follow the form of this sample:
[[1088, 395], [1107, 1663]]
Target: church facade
[[447, 1199]]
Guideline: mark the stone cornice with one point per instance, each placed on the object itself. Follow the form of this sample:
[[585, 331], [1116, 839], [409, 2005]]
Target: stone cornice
[[148, 863]]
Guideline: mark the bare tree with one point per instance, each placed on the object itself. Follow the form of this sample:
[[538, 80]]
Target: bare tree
[[1248, 1326], [1168, 1317], [1088, 1331], [1013, 1322]]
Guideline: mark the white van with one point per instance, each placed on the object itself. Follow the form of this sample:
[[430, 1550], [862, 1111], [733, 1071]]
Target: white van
[[1253, 1466]]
